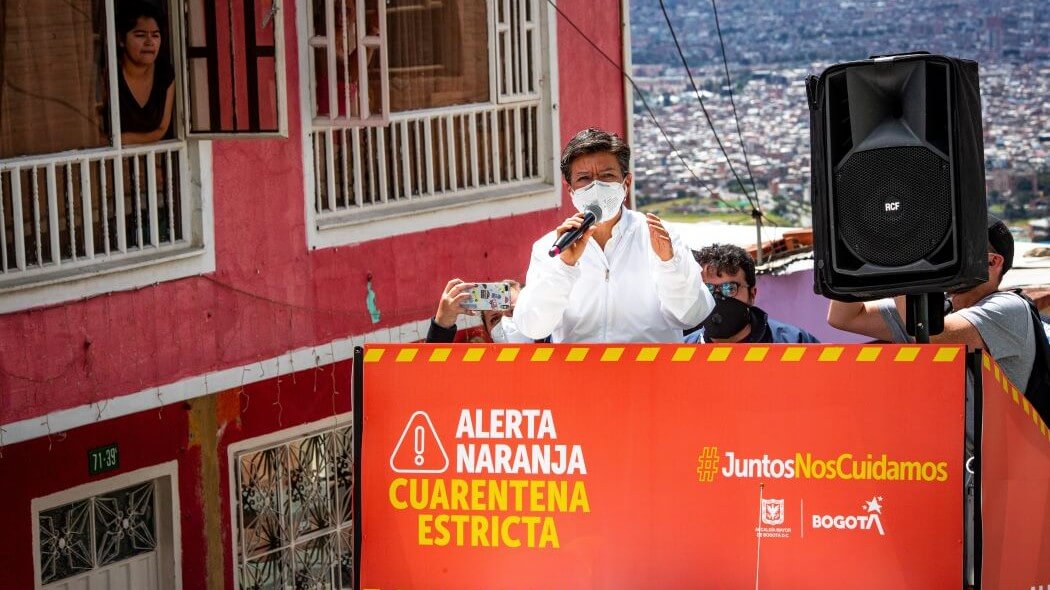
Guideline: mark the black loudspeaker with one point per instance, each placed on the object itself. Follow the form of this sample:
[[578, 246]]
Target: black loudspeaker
[[897, 177]]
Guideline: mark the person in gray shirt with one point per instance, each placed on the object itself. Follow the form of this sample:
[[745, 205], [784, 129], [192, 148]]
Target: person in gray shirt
[[982, 317]]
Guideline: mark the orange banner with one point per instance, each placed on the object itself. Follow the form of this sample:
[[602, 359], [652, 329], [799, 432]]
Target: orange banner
[[662, 467], [1015, 487]]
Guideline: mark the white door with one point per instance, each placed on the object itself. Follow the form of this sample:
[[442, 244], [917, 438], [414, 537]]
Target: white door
[[139, 572]]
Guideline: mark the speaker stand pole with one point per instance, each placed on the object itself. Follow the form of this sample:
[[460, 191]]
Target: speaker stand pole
[[917, 309], [757, 216]]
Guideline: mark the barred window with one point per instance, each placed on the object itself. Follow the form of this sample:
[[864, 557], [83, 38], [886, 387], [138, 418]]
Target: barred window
[[294, 513], [82, 537], [435, 101], [96, 173]]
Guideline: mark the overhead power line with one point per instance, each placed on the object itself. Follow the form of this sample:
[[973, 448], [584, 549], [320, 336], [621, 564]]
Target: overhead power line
[[707, 115], [732, 102], [649, 110]]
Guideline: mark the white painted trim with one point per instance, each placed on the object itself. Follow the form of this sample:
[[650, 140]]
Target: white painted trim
[[481, 208], [169, 470], [306, 107], [178, 27], [279, 38], [154, 398], [262, 442], [133, 274], [628, 90], [552, 98]]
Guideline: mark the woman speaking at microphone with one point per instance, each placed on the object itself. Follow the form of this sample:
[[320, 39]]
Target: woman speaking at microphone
[[626, 278]]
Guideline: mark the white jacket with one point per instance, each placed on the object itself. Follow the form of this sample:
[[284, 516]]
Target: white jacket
[[622, 294]]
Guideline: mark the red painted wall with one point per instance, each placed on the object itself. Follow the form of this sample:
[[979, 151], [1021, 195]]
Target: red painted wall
[[41, 467], [269, 294], [47, 465]]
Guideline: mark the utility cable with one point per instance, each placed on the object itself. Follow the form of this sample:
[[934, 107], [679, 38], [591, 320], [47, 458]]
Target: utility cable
[[707, 115], [732, 102], [648, 109]]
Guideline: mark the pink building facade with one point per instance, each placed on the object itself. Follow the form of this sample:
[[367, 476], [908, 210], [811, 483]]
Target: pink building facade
[[177, 318]]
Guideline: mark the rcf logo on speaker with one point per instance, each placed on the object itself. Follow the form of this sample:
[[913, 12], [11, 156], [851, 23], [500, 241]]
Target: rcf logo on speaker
[[894, 206]]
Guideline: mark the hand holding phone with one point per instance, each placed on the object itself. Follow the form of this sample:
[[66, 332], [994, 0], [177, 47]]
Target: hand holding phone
[[452, 303]]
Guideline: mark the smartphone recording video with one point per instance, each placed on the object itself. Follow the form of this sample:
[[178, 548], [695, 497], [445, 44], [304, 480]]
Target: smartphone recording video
[[489, 297]]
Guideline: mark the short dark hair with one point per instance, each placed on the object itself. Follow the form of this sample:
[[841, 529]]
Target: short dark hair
[[129, 13], [1001, 241], [727, 259], [594, 141]]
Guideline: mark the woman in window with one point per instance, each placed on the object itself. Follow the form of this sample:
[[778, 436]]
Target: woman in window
[[147, 86]]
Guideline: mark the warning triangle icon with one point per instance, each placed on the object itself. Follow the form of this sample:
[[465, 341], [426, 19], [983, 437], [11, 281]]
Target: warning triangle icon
[[419, 449]]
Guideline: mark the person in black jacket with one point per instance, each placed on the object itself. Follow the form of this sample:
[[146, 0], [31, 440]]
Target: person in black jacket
[[443, 324]]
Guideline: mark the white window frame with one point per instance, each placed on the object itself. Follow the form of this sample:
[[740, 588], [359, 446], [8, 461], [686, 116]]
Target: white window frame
[[464, 205], [166, 475], [263, 442], [362, 39], [97, 273]]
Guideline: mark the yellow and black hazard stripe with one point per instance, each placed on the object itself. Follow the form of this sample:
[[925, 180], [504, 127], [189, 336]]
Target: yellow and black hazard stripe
[[1015, 394], [677, 354]]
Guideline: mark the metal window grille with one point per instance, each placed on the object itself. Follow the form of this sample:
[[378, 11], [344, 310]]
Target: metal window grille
[[295, 514], [97, 532], [517, 30], [425, 156]]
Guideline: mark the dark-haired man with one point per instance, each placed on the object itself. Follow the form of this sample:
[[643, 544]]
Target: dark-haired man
[[728, 272], [627, 279], [982, 317]]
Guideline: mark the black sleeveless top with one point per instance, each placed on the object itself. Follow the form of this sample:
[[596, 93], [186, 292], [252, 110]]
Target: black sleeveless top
[[144, 119]]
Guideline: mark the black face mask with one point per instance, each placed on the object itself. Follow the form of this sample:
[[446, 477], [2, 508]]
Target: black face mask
[[729, 316]]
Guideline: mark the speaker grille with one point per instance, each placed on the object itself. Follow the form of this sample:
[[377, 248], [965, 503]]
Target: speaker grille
[[893, 205]]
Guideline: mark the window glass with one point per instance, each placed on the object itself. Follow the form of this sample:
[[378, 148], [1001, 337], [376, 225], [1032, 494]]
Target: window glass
[[52, 82], [231, 54], [439, 53]]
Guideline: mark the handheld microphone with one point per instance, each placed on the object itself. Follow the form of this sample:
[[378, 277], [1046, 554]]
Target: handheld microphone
[[592, 214]]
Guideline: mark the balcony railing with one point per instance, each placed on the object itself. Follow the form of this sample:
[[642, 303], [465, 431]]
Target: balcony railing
[[425, 155], [78, 210]]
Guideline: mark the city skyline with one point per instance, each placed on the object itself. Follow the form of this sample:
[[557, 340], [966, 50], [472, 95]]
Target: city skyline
[[771, 102]]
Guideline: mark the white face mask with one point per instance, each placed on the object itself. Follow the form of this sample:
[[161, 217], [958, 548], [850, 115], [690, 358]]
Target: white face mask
[[608, 196]]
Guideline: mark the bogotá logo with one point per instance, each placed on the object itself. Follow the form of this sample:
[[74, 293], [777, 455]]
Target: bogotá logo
[[868, 520], [771, 516], [419, 450], [772, 512]]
